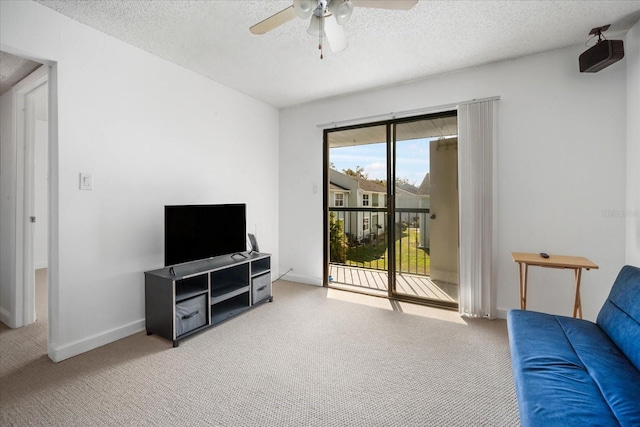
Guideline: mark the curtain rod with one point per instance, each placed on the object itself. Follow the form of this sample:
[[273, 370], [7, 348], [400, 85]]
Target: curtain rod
[[402, 114]]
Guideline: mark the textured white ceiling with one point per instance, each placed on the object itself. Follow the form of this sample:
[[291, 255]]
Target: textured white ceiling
[[386, 47], [13, 69]]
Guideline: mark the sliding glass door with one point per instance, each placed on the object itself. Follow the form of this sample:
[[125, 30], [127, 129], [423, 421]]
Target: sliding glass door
[[391, 209], [425, 209], [357, 208]]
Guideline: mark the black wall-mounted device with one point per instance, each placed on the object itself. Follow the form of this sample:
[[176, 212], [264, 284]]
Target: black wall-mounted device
[[603, 54]]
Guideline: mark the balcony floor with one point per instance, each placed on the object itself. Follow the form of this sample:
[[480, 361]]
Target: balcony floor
[[375, 282]]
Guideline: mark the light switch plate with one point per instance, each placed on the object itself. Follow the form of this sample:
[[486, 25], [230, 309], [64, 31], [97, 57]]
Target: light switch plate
[[86, 181]]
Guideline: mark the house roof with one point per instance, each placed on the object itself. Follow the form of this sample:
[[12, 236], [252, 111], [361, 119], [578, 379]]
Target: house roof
[[371, 186], [425, 186], [409, 188], [335, 187]]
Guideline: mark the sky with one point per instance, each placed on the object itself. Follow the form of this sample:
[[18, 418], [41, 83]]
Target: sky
[[412, 159]]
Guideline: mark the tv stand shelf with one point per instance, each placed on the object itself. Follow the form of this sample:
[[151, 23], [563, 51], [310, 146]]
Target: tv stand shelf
[[227, 292], [183, 299]]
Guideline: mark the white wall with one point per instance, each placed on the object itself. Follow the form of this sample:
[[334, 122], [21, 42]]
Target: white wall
[[561, 165], [151, 133], [632, 48]]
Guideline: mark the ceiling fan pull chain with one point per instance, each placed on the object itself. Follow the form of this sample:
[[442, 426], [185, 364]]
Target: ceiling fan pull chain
[[320, 36]]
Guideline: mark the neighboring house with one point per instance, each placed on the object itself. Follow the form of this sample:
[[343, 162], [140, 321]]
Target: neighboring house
[[350, 191], [338, 195], [424, 194], [410, 196]]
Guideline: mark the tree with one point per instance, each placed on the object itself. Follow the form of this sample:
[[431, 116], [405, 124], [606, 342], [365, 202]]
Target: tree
[[358, 173], [338, 240], [401, 181]]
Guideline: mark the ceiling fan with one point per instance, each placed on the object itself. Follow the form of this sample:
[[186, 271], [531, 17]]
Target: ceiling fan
[[319, 11]]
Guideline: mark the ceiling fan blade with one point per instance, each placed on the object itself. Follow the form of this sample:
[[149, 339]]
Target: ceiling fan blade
[[336, 36], [274, 21], [386, 4]]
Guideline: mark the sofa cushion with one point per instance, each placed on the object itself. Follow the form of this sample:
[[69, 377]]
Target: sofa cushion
[[620, 314], [568, 372]]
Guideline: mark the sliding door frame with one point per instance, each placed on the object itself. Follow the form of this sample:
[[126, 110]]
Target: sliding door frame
[[390, 125], [325, 189]]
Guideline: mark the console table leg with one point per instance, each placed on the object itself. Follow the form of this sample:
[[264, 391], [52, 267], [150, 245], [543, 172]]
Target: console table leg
[[522, 273], [577, 306], [175, 343]]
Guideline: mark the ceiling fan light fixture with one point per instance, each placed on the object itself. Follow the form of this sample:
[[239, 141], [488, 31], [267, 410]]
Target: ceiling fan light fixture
[[304, 8], [315, 26], [318, 10], [341, 10]]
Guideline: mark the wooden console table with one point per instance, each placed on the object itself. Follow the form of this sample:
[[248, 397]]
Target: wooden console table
[[575, 263]]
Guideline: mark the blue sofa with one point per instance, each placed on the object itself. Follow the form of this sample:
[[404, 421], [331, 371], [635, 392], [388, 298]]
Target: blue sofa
[[572, 372]]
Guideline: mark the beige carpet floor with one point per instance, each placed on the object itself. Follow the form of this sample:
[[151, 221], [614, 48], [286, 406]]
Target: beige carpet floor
[[313, 357]]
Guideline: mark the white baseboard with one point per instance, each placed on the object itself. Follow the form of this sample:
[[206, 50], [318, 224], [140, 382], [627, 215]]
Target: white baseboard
[[60, 353], [501, 313], [445, 276], [303, 279], [6, 318]]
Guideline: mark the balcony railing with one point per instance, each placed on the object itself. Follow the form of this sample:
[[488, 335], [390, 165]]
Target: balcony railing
[[359, 237]]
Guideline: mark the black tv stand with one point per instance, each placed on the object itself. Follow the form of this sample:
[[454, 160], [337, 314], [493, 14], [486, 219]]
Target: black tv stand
[[201, 294]]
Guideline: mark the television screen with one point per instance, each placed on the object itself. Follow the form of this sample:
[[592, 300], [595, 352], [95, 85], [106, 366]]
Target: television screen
[[193, 232]]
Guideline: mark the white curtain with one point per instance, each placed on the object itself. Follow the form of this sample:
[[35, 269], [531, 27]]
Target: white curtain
[[477, 177]]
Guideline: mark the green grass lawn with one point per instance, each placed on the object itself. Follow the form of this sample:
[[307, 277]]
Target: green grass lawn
[[409, 257]]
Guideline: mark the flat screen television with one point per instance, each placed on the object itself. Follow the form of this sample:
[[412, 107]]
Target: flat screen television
[[193, 232]]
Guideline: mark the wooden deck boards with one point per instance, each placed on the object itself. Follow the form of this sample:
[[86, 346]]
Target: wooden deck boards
[[410, 284]]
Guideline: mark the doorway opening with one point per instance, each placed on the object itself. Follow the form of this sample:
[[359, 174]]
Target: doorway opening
[[33, 99], [391, 209], [26, 130]]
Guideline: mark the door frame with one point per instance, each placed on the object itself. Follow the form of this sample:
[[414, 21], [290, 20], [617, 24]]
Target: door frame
[[391, 161], [53, 271], [24, 295]]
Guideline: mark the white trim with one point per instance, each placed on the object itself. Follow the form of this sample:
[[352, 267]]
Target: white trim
[[24, 296], [303, 279], [501, 313], [401, 114], [6, 318], [53, 272], [75, 348]]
